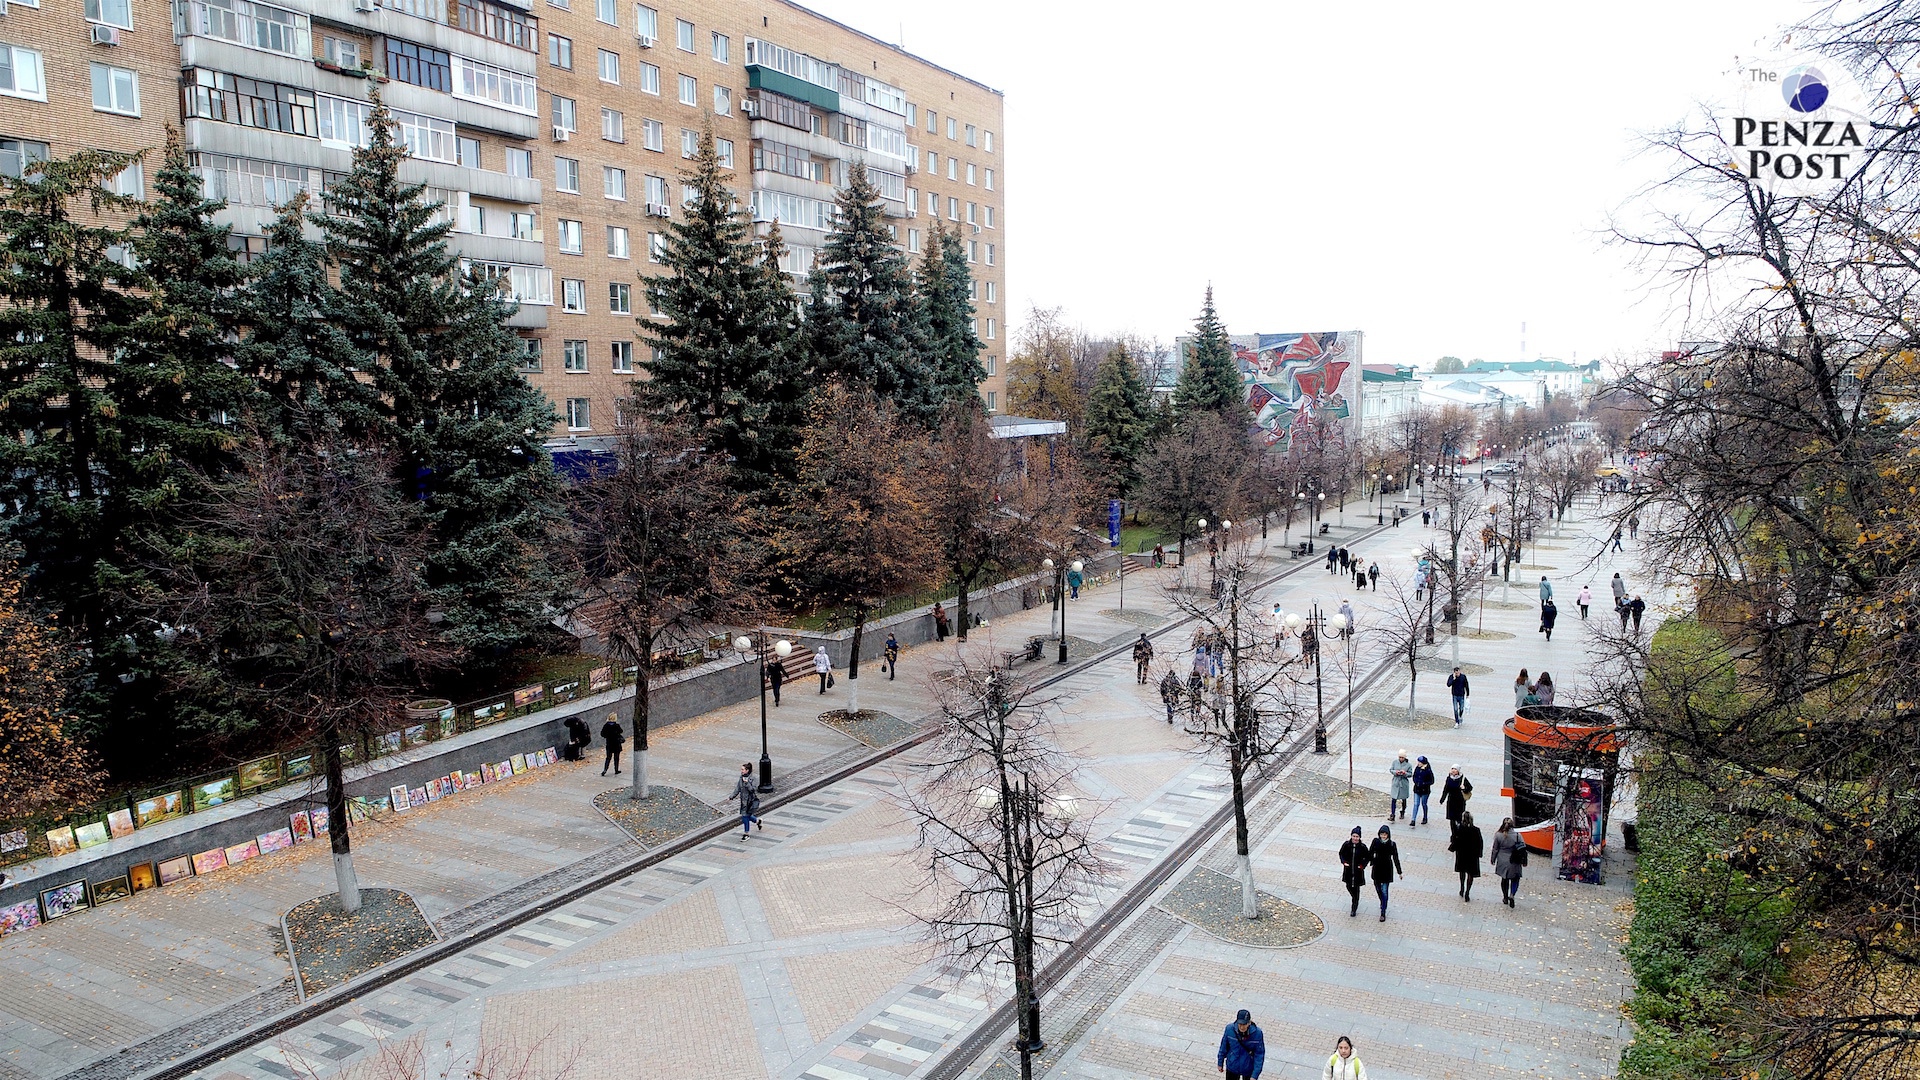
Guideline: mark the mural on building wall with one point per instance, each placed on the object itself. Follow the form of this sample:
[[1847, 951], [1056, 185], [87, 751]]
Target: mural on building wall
[[1297, 378]]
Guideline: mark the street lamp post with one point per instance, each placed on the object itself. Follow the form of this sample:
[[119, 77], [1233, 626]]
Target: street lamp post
[[1345, 631], [1308, 629], [781, 649], [1060, 593]]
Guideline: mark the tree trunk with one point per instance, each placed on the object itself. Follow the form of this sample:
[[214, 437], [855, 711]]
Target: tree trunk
[[853, 664], [1413, 683], [642, 716], [337, 827], [960, 607], [1249, 899]]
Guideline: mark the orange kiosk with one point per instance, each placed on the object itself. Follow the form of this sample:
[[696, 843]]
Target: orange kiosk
[[1560, 768]]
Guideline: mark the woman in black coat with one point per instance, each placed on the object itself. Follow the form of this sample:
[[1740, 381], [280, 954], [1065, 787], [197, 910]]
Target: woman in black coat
[[1454, 795], [1467, 846], [1354, 860], [1383, 857]]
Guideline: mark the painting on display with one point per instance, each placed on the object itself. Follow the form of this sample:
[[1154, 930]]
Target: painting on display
[[528, 695], [172, 870], [92, 834], [600, 678], [1301, 377], [159, 808], [417, 796], [299, 765], [320, 820], [24, 915], [278, 840], [142, 876], [13, 841], [240, 853], [301, 826], [415, 734], [120, 823], [519, 764], [210, 860], [60, 841], [401, 800], [259, 773], [214, 792], [386, 744], [62, 900], [110, 890]]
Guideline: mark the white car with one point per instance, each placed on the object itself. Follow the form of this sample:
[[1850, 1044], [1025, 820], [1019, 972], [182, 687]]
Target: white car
[[1500, 468]]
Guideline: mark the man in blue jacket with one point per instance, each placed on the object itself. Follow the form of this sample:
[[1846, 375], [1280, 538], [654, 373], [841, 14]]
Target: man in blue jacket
[[1243, 1050]]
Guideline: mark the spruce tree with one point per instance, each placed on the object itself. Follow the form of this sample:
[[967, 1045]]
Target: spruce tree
[[953, 350], [728, 352], [1210, 379], [1119, 420], [867, 326], [468, 431]]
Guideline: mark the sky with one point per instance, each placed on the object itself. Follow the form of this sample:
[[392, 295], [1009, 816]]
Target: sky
[[1431, 174]]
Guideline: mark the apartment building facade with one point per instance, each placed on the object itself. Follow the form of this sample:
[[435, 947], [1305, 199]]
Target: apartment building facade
[[554, 131]]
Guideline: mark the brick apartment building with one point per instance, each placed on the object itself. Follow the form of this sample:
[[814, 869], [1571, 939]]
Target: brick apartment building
[[553, 130]]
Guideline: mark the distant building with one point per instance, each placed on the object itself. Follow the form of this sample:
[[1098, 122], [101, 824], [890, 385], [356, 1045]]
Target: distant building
[[1391, 393]]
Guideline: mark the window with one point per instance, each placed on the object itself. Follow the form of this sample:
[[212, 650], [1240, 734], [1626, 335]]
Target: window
[[519, 162], [973, 250], [913, 239], [657, 190], [649, 78], [560, 51], [607, 11], [990, 363], [655, 135], [913, 115], [646, 22], [343, 52], [953, 128], [17, 154], [993, 297], [511, 90], [616, 242], [573, 356], [577, 413], [566, 174], [689, 90], [620, 297], [499, 22], [130, 182], [477, 220], [573, 294], [933, 163], [613, 125], [989, 254], [933, 203], [656, 247], [722, 100], [988, 146], [989, 179], [609, 67], [530, 359], [115, 90], [566, 113], [970, 135], [684, 30], [913, 203], [970, 213], [419, 65], [953, 168], [720, 47], [953, 209], [426, 137], [613, 183], [570, 237], [468, 153], [989, 211], [112, 12], [991, 402], [931, 117], [993, 328], [723, 149], [22, 73], [969, 172], [688, 194], [520, 226], [623, 357], [689, 142]]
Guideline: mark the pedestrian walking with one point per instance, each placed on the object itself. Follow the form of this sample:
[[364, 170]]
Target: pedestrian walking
[[1344, 1064], [1467, 846], [1521, 687], [1346, 560], [577, 737], [1585, 599], [1619, 590], [1401, 789], [1170, 693], [1544, 689], [890, 654], [1346, 610], [1637, 609], [1633, 527], [823, 667], [1354, 860], [1616, 539], [1546, 590], [1333, 558], [1383, 861], [616, 738], [939, 623], [1197, 681], [1509, 860], [1359, 576], [776, 678], [1373, 576], [1142, 657], [1422, 788], [1454, 794], [1159, 556], [749, 800], [1074, 580], [1243, 1050], [1549, 614], [1457, 686]]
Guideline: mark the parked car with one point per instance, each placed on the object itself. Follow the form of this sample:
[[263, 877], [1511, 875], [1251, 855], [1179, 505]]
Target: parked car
[[1501, 468], [1607, 472]]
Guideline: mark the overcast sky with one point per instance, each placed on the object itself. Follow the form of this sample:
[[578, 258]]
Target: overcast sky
[[1431, 174]]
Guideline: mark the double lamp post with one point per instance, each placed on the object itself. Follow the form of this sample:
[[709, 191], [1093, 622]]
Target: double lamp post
[[781, 649]]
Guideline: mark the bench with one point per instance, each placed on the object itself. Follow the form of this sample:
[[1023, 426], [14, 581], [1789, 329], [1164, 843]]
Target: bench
[[1036, 647]]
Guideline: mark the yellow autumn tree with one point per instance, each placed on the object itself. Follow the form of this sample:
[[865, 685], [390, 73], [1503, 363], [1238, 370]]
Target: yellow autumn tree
[[41, 766]]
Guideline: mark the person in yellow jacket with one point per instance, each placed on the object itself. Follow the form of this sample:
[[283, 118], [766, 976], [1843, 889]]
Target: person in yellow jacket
[[1344, 1064]]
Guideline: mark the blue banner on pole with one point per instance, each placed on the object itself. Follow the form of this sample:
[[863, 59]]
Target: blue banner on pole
[[1113, 522]]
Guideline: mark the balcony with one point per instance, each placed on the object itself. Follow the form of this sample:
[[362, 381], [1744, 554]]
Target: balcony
[[243, 22]]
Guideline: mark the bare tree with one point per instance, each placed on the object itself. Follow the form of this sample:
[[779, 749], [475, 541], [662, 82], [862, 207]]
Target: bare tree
[[1201, 468], [657, 550], [1457, 513], [1402, 619], [979, 503], [1004, 834]]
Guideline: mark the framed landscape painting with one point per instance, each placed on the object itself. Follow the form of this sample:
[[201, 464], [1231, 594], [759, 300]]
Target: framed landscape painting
[[206, 862], [299, 765], [159, 808], [142, 876], [172, 870], [60, 841], [214, 792], [92, 834], [259, 773], [62, 900], [110, 890], [120, 823]]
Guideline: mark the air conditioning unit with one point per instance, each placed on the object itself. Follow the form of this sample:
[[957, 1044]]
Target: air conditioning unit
[[659, 209], [645, 41], [106, 35], [363, 6], [749, 106], [561, 134]]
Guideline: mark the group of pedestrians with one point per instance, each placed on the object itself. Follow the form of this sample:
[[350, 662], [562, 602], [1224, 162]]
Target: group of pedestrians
[[1365, 575], [1410, 786], [1243, 1053]]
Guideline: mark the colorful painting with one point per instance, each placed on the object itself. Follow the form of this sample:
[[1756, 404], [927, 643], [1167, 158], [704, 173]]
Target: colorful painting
[[519, 764], [13, 841], [459, 781], [110, 890], [320, 820], [417, 796], [62, 900], [401, 800], [259, 772], [299, 765], [92, 834], [301, 826], [528, 695], [240, 853], [277, 840], [600, 678], [24, 915], [1297, 377], [489, 772], [214, 792], [159, 808], [142, 876], [172, 870], [206, 862], [415, 734], [386, 744], [60, 841], [120, 823]]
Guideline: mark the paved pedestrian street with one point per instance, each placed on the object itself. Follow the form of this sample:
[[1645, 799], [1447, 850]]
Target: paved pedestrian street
[[794, 952]]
